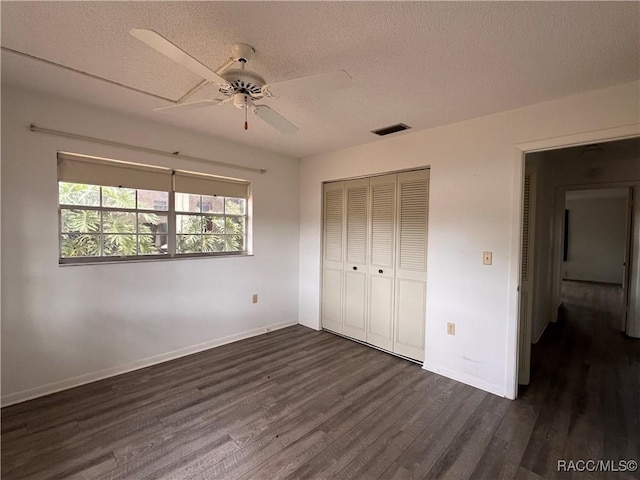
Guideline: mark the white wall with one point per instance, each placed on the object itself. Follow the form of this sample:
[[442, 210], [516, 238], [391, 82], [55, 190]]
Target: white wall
[[475, 206], [66, 325], [597, 236], [558, 170]]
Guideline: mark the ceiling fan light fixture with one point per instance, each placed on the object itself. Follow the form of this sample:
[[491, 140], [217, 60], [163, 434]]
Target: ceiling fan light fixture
[[241, 101]]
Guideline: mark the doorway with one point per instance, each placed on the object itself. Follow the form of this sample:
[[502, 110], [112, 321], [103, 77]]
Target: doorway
[[557, 267], [596, 248]]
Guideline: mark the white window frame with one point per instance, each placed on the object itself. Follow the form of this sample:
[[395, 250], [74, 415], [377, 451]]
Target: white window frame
[[201, 181]]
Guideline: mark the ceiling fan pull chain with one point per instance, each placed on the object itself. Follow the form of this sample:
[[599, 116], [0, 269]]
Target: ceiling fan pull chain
[[246, 124]]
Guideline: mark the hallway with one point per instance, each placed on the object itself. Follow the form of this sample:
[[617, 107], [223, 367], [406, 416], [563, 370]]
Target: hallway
[[584, 395]]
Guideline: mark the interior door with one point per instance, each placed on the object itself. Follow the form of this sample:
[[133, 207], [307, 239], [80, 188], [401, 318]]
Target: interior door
[[526, 277], [381, 270], [333, 253], [355, 266], [411, 264]]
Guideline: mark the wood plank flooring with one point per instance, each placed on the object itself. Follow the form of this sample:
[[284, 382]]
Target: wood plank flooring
[[300, 404]]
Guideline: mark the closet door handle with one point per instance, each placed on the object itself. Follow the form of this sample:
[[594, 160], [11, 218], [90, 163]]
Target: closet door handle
[[355, 268], [380, 271]]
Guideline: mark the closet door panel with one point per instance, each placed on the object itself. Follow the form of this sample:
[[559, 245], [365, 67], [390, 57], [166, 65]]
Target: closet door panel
[[380, 329], [332, 299], [333, 257], [355, 265], [355, 312], [411, 264], [410, 318], [382, 260]]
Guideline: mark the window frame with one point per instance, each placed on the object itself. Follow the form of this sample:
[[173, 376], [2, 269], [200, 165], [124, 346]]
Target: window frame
[[224, 215], [172, 220]]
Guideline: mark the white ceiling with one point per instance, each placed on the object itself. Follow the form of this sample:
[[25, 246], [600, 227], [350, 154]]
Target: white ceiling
[[421, 63]]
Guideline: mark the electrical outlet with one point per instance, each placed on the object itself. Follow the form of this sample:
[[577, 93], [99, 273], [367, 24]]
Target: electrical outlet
[[487, 258], [255, 298], [451, 328]]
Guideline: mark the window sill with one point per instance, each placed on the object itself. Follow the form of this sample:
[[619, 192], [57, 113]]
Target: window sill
[[150, 260]]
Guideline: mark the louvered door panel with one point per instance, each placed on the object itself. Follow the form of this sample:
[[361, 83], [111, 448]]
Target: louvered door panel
[[332, 308], [411, 264], [357, 221], [526, 274], [526, 216], [333, 221], [381, 261], [383, 216], [355, 266], [412, 252]]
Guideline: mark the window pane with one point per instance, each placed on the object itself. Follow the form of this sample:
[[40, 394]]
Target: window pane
[[212, 204], [235, 225], [188, 224], [189, 244], [186, 202], [119, 222], [153, 200], [152, 223], [213, 243], [235, 206], [234, 243], [78, 194], [152, 244], [80, 245], [82, 221], [118, 197], [119, 245], [213, 224]]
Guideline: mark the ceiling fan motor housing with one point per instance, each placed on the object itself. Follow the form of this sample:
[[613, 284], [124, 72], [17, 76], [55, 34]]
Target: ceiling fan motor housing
[[242, 52], [242, 81]]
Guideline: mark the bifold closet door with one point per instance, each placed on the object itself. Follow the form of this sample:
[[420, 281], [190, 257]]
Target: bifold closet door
[[381, 261], [333, 256], [411, 264], [355, 265]]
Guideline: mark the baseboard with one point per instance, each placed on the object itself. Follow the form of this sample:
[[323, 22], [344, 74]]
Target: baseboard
[[466, 379], [312, 325], [539, 336], [66, 384]]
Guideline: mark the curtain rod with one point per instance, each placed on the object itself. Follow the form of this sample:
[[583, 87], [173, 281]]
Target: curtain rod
[[60, 133]]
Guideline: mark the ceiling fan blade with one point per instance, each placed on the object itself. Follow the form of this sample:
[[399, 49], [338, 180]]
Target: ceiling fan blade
[[310, 85], [189, 105], [274, 119], [168, 49]]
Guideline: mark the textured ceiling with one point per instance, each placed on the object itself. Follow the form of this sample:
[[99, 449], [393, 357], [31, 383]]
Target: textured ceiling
[[421, 63]]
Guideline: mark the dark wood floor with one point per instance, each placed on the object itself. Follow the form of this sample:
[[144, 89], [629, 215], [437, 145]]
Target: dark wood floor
[[296, 403]]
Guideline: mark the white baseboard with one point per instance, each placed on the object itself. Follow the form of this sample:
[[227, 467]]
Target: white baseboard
[[467, 379], [54, 387], [539, 336]]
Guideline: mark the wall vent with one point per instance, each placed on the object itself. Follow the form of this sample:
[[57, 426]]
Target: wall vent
[[398, 127]]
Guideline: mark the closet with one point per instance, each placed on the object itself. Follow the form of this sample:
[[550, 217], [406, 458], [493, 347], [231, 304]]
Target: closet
[[374, 269]]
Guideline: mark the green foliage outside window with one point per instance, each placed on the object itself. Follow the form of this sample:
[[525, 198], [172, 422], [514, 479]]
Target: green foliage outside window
[[81, 228], [127, 232]]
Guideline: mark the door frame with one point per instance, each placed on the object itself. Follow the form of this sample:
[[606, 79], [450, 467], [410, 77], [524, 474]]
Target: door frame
[[519, 153]]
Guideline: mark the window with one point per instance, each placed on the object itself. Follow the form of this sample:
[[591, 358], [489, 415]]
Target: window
[[209, 224], [111, 210]]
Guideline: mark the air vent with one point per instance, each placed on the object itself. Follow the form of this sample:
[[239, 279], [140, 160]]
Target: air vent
[[398, 127]]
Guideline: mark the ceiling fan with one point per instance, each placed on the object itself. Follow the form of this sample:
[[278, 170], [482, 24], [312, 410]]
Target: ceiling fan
[[239, 85]]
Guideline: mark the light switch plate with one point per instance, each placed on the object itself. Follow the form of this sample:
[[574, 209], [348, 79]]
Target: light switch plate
[[487, 258]]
